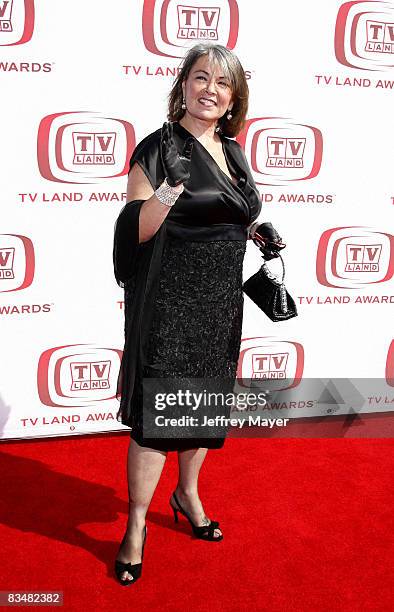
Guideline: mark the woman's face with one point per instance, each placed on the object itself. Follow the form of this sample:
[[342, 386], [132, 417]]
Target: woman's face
[[207, 92]]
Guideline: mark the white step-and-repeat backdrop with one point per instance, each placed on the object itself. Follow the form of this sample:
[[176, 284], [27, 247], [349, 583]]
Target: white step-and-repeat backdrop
[[83, 82]]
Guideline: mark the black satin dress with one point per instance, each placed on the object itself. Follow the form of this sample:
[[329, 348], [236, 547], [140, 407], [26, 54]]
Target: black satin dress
[[183, 287]]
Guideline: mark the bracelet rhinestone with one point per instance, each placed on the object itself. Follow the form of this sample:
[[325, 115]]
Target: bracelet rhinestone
[[167, 194]]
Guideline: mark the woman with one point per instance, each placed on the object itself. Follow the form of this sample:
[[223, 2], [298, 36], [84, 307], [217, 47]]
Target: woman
[[179, 247]]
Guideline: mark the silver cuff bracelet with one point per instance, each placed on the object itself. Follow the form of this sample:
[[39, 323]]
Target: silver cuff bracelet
[[167, 194]]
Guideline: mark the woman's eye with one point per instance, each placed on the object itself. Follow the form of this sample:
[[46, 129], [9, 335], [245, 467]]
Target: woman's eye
[[221, 83]]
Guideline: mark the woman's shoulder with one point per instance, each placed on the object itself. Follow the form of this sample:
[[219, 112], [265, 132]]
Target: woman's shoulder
[[147, 155], [151, 140]]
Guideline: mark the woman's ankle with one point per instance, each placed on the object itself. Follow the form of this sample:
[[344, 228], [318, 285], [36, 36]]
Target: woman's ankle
[[137, 516], [186, 491]]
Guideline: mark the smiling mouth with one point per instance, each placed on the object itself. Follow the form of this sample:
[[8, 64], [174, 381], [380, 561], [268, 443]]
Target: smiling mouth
[[206, 102]]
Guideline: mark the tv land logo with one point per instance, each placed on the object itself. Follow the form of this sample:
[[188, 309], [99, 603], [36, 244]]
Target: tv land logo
[[88, 375], [196, 23], [380, 37], [5, 16], [169, 27], [16, 21], [7, 256], [83, 147], [77, 375], [362, 257], [263, 358], [353, 257], [280, 151], [269, 365], [16, 262], [285, 152], [93, 148], [364, 35]]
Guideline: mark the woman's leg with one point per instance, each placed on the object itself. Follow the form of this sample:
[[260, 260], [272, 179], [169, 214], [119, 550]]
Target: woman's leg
[[144, 467], [190, 462]]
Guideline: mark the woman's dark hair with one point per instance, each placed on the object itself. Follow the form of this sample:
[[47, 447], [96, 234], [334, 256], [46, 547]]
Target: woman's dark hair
[[232, 70]]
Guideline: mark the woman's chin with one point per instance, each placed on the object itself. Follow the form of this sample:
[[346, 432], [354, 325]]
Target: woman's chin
[[206, 114]]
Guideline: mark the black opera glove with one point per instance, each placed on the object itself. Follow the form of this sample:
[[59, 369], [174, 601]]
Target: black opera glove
[[268, 240], [176, 165]]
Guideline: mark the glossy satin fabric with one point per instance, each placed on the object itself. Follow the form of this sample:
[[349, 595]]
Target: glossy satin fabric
[[211, 207], [209, 196]]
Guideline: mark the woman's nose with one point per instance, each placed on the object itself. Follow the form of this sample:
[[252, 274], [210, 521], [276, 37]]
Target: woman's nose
[[211, 86]]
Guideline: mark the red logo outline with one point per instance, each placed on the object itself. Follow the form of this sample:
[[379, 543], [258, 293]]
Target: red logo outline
[[300, 357], [318, 149], [43, 156], [148, 32], [389, 373], [43, 389], [321, 274], [340, 32], [30, 263], [28, 27]]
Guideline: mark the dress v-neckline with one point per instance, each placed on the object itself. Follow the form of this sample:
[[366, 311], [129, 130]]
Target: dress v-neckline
[[238, 180]]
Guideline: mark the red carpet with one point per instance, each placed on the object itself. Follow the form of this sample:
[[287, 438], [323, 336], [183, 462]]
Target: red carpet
[[307, 526]]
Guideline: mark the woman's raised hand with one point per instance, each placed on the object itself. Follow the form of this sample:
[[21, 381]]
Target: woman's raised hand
[[176, 165]]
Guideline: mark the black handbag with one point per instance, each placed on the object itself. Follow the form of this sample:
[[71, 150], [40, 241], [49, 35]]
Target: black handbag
[[270, 294]]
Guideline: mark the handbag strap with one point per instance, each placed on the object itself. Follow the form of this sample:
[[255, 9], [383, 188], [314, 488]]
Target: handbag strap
[[271, 275]]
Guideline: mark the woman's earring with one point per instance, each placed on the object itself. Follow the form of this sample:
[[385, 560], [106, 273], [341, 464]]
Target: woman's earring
[[183, 104], [229, 115]]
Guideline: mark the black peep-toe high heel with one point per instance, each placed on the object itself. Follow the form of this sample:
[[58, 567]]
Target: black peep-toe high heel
[[135, 570], [204, 532]]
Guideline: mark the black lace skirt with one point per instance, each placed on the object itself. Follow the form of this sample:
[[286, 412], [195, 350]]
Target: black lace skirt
[[197, 321]]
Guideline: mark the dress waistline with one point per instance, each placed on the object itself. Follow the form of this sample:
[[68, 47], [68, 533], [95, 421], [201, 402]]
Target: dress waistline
[[218, 231]]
